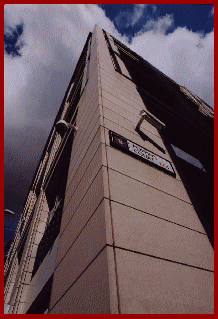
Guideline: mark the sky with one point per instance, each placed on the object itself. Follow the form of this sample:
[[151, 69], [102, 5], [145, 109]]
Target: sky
[[42, 44]]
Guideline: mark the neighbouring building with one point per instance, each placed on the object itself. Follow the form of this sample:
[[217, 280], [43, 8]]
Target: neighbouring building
[[119, 215]]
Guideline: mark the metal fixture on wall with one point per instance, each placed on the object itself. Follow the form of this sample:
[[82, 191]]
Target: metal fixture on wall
[[150, 118], [62, 126]]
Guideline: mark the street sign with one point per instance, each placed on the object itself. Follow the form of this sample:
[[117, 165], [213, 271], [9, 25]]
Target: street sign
[[141, 153]]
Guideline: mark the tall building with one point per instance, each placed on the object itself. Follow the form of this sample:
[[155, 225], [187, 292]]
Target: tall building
[[119, 215]]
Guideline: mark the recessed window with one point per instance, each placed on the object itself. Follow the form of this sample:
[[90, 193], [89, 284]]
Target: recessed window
[[188, 158], [55, 192]]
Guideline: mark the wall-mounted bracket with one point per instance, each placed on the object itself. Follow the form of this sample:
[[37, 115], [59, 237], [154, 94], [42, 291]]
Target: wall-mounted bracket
[[150, 118], [63, 126]]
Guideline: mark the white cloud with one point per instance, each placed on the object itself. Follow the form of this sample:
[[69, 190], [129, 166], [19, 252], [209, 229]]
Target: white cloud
[[185, 56], [212, 11], [54, 36], [161, 25], [137, 13], [128, 18]]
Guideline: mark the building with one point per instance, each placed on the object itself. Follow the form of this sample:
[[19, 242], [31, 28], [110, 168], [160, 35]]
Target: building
[[119, 215]]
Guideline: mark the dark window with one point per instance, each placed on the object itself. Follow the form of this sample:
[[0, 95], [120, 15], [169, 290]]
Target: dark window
[[196, 175], [48, 239], [187, 157], [112, 54], [130, 57], [155, 85], [85, 74], [23, 239], [143, 74], [7, 248], [55, 192], [199, 185], [76, 86], [41, 304]]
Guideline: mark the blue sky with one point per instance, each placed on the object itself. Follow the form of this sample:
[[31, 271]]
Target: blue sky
[[43, 44], [12, 45], [129, 19]]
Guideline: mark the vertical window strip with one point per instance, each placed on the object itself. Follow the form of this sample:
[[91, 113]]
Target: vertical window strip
[[87, 70], [86, 67], [85, 75], [112, 54]]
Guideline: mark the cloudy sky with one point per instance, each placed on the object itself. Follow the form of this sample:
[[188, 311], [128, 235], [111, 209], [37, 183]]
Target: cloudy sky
[[43, 44]]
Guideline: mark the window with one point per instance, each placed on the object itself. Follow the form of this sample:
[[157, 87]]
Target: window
[[41, 304], [77, 84], [198, 182], [112, 54], [23, 239], [188, 158], [85, 74], [139, 71], [55, 192]]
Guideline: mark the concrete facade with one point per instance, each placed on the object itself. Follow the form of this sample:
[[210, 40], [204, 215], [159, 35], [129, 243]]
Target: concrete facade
[[130, 240]]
